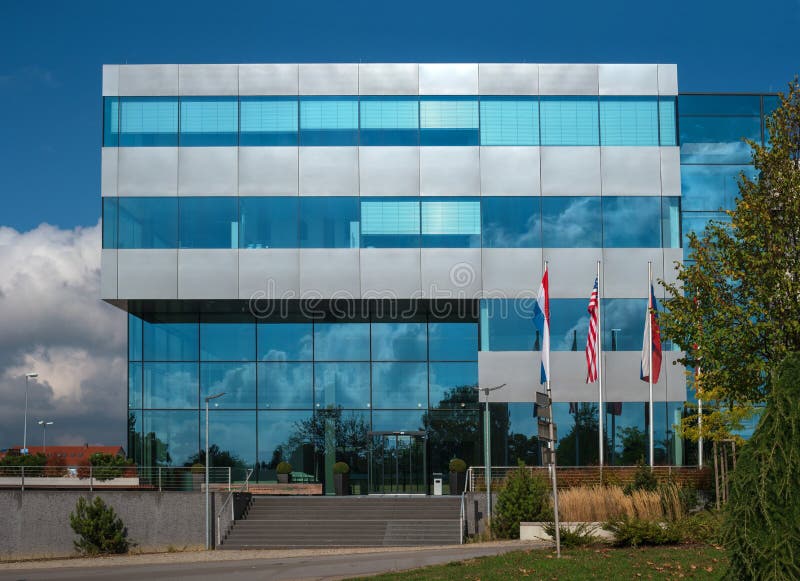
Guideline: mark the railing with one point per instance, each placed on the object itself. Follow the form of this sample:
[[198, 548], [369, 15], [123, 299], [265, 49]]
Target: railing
[[244, 487], [156, 478]]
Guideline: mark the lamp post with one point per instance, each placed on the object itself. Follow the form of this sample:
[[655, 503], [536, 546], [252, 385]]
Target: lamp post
[[614, 338], [28, 376], [44, 425], [208, 506], [487, 458]]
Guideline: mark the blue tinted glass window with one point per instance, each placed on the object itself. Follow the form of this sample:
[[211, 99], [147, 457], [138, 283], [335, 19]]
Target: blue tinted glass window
[[269, 222], [719, 105], [398, 420], [110, 216], [233, 432], [453, 341], [509, 325], [341, 385], [571, 222], [695, 222], [711, 187], [151, 121], [771, 102], [631, 221], [667, 121], [389, 120], [577, 433], [718, 139], [451, 223], [341, 341], [134, 385], [284, 435], [209, 222], [569, 121], [171, 340], [390, 223], [400, 385], [453, 385], [328, 121], [284, 385], [399, 341], [569, 323], [148, 222], [509, 121], [134, 338], [329, 222], [209, 121], [110, 121], [236, 380], [449, 121], [268, 121], [515, 435], [628, 121], [172, 437], [671, 222], [285, 341], [227, 341], [624, 318], [171, 386], [512, 222]]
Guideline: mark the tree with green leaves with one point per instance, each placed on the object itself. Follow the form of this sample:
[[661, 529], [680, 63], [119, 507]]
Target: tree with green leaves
[[98, 527], [523, 497]]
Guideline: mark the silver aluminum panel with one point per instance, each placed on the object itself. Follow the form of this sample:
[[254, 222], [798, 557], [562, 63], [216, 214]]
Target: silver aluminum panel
[[676, 375], [571, 271], [570, 171], [110, 80], [209, 79], [510, 171], [519, 370], [449, 171], [148, 80], [329, 79], [148, 171], [108, 171], [568, 377], [390, 273], [329, 171], [329, 273], [208, 171], [621, 382], [668, 79], [448, 79], [147, 274], [671, 171], [268, 79], [389, 171], [508, 79], [618, 79], [108, 274], [568, 79], [269, 273], [268, 171], [208, 274], [511, 272], [625, 271], [388, 79], [631, 171], [451, 273]]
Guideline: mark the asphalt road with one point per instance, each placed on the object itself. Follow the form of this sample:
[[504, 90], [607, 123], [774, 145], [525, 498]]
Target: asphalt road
[[337, 566]]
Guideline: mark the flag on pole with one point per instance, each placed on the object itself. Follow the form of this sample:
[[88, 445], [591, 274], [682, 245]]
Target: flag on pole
[[541, 317], [591, 338], [651, 320]]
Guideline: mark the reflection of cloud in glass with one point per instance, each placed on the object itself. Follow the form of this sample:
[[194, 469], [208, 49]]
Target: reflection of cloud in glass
[[716, 152], [285, 385], [399, 341], [341, 384], [233, 432], [632, 222], [400, 385], [503, 236], [177, 429], [341, 341], [170, 385], [571, 222], [627, 315], [237, 381]]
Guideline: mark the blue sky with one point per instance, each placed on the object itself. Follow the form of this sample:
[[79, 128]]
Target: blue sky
[[51, 55]]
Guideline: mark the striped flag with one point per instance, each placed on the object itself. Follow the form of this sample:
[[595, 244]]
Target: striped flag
[[541, 317], [651, 321], [591, 338]]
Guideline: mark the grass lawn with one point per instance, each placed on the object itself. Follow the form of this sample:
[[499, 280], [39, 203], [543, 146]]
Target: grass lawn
[[679, 562]]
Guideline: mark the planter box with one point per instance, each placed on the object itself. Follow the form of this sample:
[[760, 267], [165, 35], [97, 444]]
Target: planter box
[[534, 531], [457, 481], [342, 484], [284, 478]]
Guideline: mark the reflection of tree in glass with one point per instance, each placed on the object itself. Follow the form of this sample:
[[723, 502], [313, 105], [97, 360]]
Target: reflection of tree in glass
[[453, 430], [634, 445], [579, 446], [219, 458], [146, 449], [349, 431]]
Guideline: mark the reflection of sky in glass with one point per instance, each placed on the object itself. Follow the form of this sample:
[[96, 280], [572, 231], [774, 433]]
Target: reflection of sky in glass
[[233, 432], [275, 430], [170, 385], [511, 222], [341, 342], [446, 377], [399, 341], [626, 315], [341, 384], [227, 341], [569, 324], [711, 187], [178, 429], [400, 385], [285, 385], [285, 341], [170, 341], [631, 222], [236, 380], [717, 139], [397, 420], [453, 341], [571, 222]]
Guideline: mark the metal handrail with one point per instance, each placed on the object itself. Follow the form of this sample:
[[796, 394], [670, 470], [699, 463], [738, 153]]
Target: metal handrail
[[245, 486], [467, 478]]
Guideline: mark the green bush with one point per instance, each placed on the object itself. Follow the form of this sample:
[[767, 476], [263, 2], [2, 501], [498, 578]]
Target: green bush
[[284, 468], [643, 479], [108, 466], [580, 536], [341, 468], [457, 465], [100, 530], [27, 460], [702, 527], [523, 498], [635, 532]]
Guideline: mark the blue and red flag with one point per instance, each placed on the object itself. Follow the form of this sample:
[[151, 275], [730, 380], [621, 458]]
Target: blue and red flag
[[651, 353]]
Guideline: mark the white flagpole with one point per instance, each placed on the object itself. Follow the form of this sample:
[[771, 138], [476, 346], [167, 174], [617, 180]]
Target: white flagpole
[[599, 355], [650, 351], [552, 446]]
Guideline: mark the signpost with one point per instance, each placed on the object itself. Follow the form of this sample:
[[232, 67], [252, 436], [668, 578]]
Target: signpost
[[547, 433]]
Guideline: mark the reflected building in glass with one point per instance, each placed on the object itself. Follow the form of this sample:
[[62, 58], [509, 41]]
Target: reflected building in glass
[[349, 250]]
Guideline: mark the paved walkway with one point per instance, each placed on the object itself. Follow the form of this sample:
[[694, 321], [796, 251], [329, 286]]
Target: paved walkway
[[279, 565]]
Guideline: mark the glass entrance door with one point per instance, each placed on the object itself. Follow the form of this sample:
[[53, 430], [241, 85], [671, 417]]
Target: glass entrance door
[[397, 464]]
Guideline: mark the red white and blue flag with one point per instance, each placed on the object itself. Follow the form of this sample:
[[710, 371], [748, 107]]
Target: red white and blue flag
[[592, 354], [541, 317], [651, 354]]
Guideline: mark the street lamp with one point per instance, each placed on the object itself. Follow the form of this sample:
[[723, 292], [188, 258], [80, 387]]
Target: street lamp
[[208, 509], [44, 425], [28, 376], [487, 460]]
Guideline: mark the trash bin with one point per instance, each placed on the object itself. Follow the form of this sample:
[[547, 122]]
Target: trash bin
[[437, 483]]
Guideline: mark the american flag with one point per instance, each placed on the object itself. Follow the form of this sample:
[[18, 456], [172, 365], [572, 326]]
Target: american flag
[[591, 339]]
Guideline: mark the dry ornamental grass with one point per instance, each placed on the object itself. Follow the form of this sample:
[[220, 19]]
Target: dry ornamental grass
[[600, 504]]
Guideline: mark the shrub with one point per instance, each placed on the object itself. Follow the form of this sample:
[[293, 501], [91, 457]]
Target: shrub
[[284, 468], [702, 527], [634, 532], [580, 536], [643, 479], [340, 468], [99, 528], [523, 498], [457, 465], [108, 466]]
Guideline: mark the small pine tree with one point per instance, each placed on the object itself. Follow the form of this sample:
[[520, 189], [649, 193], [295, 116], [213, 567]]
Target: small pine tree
[[99, 528], [643, 479], [524, 498], [761, 526]]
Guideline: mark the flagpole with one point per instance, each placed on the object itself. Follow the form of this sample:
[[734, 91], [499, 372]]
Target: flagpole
[[600, 413], [650, 350], [552, 445]]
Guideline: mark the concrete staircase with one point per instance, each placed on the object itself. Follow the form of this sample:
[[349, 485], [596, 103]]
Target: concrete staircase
[[356, 521]]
